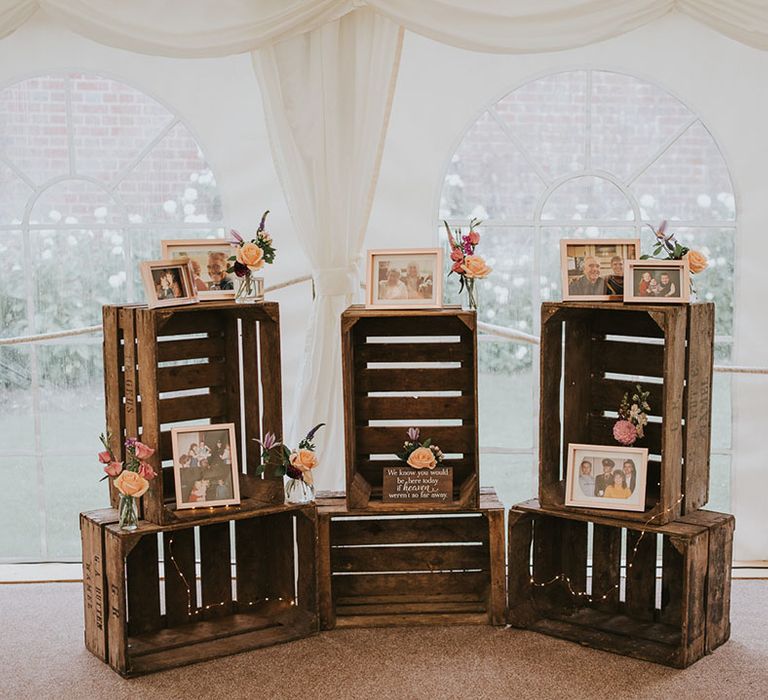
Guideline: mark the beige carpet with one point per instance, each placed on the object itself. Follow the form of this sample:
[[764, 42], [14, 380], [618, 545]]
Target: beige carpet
[[42, 656]]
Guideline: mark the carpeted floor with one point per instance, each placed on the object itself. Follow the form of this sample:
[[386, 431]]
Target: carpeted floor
[[42, 656]]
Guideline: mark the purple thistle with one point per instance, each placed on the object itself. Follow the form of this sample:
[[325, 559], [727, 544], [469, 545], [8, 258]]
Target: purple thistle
[[413, 434]]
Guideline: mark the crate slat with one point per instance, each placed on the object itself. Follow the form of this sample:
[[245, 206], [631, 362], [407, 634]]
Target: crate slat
[[215, 570], [413, 408], [370, 531], [392, 558], [212, 348]]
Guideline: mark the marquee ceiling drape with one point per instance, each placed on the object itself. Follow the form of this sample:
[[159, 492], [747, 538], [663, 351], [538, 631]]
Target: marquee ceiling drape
[[190, 29]]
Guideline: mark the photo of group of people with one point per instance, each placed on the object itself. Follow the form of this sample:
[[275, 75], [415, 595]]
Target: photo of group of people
[[208, 260], [606, 477], [205, 466], [658, 281], [409, 278], [595, 269]]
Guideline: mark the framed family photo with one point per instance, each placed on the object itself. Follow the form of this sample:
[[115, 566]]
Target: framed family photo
[[592, 269], [399, 279], [208, 259], [657, 281], [168, 283], [205, 467], [602, 476]]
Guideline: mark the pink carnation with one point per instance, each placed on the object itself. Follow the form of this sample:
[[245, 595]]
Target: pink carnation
[[146, 471], [143, 451], [624, 432], [113, 469], [474, 237], [105, 457]]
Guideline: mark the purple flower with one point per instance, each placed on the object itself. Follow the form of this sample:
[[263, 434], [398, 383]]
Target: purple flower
[[270, 440], [413, 434], [263, 222], [130, 442], [468, 248], [238, 239], [294, 473]]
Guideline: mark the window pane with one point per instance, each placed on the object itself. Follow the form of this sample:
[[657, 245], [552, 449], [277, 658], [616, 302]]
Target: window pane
[[13, 285], [75, 273], [689, 182], [588, 198], [549, 117], [489, 178], [15, 193], [76, 202], [16, 420], [512, 475], [20, 534], [631, 120], [720, 483]]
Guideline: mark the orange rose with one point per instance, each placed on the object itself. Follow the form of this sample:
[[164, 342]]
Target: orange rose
[[131, 484], [304, 460], [697, 262], [251, 255], [422, 458], [474, 266]]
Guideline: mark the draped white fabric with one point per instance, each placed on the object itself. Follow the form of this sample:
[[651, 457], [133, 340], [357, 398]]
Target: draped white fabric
[[189, 28], [327, 98]]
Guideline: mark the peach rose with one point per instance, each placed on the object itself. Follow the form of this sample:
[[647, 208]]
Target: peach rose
[[131, 484], [697, 262], [113, 468], [422, 458], [251, 255], [474, 266], [303, 460], [143, 451]]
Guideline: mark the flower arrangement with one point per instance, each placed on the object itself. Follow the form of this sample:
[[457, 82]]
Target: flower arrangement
[[131, 478], [420, 455], [296, 464], [250, 257], [632, 417], [466, 264], [667, 247]]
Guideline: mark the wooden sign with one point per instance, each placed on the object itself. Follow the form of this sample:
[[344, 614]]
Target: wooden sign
[[408, 485]]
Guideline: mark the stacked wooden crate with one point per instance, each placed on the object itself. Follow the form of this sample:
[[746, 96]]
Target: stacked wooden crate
[[217, 362], [591, 354], [422, 562]]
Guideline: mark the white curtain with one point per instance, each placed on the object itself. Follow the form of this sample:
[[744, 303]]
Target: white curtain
[[327, 98], [194, 28]]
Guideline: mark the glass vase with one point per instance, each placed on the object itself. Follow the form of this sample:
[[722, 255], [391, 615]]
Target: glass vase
[[128, 512], [298, 491], [471, 300], [250, 291]]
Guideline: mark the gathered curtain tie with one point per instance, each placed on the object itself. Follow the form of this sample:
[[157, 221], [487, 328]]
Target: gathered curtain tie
[[336, 281]]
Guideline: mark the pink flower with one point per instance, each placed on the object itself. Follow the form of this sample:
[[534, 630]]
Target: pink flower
[[113, 468], [457, 255], [457, 267], [146, 471], [624, 432], [143, 451], [413, 434], [468, 249], [105, 457], [474, 237]]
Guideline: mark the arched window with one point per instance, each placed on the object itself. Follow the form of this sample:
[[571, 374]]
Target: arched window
[[93, 174], [582, 154]]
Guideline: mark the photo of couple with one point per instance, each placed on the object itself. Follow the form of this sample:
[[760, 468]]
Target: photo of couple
[[208, 260], [595, 269], [606, 477], [205, 466], [168, 283], [401, 280]]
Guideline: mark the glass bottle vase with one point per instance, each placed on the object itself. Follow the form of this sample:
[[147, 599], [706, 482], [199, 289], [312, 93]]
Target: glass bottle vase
[[298, 491], [471, 298], [128, 512], [250, 291]]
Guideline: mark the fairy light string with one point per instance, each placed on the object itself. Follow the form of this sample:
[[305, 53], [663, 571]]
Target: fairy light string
[[562, 577], [191, 612]]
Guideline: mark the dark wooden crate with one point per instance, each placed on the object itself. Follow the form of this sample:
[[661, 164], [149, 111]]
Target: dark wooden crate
[[155, 358], [669, 350], [146, 609], [428, 359], [376, 570], [674, 620]]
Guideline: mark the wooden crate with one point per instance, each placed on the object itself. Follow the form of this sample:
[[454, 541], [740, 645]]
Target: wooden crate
[[433, 568], [170, 365], [673, 620], [426, 360], [154, 599], [600, 350]]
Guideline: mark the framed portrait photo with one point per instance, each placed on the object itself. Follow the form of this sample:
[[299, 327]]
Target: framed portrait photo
[[205, 467], [657, 281], [168, 283], [604, 476], [208, 259], [401, 279], [592, 269]]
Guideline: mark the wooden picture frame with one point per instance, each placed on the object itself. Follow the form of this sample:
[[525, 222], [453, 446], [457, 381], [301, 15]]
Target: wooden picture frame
[[197, 250], [634, 292], [178, 273], [598, 456], [381, 294], [598, 249], [216, 470]]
